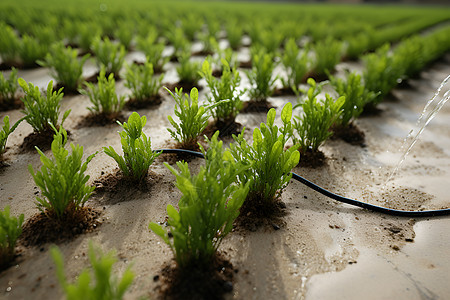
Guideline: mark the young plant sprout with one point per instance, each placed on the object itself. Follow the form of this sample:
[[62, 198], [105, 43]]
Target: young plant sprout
[[328, 54], [144, 87], [9, 44], [153, 51], [260, 76], [30, 50], [65, 66], [356, 96], [5, 132], [10, 230], [109, 55], [296, 63], [269, 163], [103, 96], [124, 33], [313, 126], [100, 283], [381, 73], [193, 118], [137, 149], [188, 70], [62, 179], [207, 209], [42, 112], [225, 98], [179, 41], [8, 88], [234, 34]]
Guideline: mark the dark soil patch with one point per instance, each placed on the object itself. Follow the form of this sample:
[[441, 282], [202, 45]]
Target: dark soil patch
[[101, 120], [156, 70], [200, 282], [312, 159], [151, 102], [226, 129], [371, 110], [202, 53], [92, 79], [255, 213], [186, 86], [316, 76], [66, 91], [41, 140], [217, 73], [46, 228], [253, 106], [350, 134], [15, 103], [245, 64], [115, 188], [284, 91]]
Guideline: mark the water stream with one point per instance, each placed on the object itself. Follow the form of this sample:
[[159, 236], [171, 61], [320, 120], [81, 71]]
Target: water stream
[[430, 110]]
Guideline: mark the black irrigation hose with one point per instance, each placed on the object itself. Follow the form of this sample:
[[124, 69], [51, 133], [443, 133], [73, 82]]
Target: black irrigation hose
[[383, 210]]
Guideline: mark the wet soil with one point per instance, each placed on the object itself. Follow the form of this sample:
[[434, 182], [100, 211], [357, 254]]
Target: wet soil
[[45, 227], [211, 281]]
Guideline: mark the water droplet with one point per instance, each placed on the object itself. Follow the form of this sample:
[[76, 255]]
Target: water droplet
[[8, 289]]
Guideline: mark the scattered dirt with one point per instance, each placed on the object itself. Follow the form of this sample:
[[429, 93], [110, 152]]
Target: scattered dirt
[[113, 188], [312, 159], [283, 91], [211, 281], [41, 140], [253, 106], [156, 71], [101, 119], [152, 102], [255, 213], [186, 86], [44, 228], [245, 64], [65, 90], [16, 103], [226, 128], [350, 134]]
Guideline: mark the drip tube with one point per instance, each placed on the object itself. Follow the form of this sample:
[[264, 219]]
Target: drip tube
[[371, 207]]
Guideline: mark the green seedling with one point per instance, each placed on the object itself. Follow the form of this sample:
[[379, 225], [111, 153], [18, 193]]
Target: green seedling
[[313, 126], [103, 95], [179, 41], [139, 79], [42, 112], [62, 179], [31, 49], [382, 73], [188, 70], [193, 118], [153, 51], [210, 44], [65, 66], [109, 55], [86, 32], [9, 44], [356, 96], [137, 149], [328, 54], [296, 63], [225, 98], [100, 283], [260, 77], [8, 87], [5, 132], [269, 163], [208, 206], [124, 32], [10, 230], [234, 34]]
